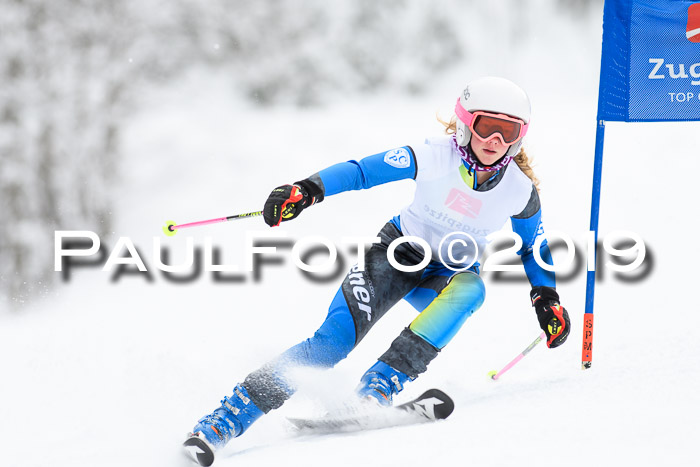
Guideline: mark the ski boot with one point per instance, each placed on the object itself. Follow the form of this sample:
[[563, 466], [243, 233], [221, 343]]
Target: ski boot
[[213, 431], [380, 383]]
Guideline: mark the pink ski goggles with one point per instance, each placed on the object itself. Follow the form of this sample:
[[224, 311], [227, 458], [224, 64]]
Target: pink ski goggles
[[487, 125]]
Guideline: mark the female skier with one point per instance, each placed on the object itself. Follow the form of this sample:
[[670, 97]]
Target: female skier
[[465, 182]]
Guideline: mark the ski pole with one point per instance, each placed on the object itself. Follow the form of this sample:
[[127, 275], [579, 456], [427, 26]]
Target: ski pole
[[495, 375], [171, 227]]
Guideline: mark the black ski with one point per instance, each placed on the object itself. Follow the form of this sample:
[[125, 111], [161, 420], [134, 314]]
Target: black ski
[[430, 406], [199, 449]]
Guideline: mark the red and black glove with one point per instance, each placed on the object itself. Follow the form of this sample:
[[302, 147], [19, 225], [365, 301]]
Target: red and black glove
[[553, 318], [287, 201]]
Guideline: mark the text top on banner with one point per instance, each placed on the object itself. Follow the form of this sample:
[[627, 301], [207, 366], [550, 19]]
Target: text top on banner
[[650, 65]]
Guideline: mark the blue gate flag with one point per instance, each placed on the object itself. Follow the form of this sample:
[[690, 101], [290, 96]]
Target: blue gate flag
[[649, 72], [650, 65]]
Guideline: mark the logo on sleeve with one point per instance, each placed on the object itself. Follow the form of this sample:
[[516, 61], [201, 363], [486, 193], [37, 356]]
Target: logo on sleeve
[[693, 29], [398, 158]]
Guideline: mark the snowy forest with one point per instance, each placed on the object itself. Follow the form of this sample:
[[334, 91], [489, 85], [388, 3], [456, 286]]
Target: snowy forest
[[74, 73]]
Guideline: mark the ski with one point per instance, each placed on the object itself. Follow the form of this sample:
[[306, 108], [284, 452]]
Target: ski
[[430, 406], [199, 449]]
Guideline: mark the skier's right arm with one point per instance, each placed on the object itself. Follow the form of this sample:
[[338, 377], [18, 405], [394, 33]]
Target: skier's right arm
[[287, 201]]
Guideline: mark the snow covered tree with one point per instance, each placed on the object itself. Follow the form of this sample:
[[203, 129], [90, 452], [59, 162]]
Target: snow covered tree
[[72, 71], [68, 69]]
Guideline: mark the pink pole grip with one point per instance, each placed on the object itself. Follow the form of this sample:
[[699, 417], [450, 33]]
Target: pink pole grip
[[519, 357]]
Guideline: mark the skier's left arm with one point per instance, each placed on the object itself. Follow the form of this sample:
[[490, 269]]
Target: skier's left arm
[[553, 318]]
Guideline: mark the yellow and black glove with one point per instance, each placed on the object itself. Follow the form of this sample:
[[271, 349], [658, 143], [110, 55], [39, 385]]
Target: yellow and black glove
[[553, 318], [287, 201]]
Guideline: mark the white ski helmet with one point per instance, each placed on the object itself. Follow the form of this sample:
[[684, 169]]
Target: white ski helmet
[[496, 95]]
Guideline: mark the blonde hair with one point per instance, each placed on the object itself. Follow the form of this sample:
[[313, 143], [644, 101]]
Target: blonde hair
[[522, 159]]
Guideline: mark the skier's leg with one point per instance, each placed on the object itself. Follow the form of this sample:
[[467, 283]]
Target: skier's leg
[[267, 388], [440, 321], [409, 354], [363, 298], [270, 385]]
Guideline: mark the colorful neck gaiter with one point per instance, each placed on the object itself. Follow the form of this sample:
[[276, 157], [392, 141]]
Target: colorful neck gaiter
[[468, 156]]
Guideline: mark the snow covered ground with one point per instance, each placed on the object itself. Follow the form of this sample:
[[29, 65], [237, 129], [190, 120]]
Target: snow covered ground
[[113, 373]]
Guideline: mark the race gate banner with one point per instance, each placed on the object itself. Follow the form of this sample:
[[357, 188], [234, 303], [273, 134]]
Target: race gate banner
[[650, 65]]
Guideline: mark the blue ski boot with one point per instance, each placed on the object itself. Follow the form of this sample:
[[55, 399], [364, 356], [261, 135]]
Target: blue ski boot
[[380, 383], [230, 420]]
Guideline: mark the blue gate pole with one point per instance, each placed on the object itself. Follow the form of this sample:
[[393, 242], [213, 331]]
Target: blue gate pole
[[587, 350]]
